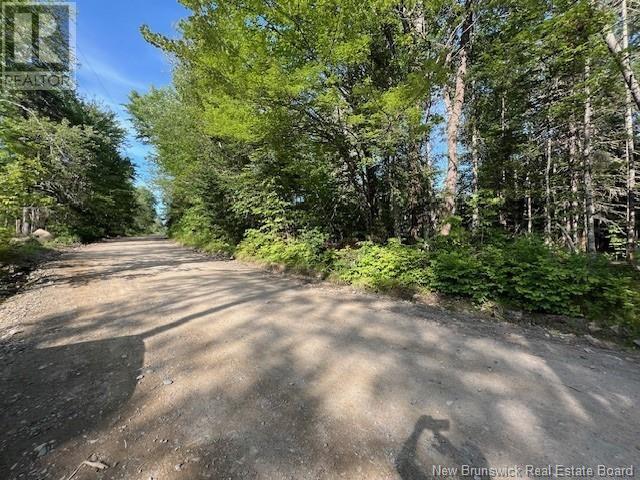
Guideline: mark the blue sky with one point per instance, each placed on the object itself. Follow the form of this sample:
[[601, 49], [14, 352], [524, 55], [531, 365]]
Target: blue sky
[[114, 58]]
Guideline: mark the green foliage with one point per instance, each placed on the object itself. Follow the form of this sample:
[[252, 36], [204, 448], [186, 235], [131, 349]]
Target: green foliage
[[382, 267], [64, 235], [529, 275], [614, 294], [196, 229], [539, 279], [146, 217], [61, 153], [305, 253], [461, 273]]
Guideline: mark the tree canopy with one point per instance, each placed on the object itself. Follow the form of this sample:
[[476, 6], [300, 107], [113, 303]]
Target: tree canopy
[[63, 155], [332, 114]]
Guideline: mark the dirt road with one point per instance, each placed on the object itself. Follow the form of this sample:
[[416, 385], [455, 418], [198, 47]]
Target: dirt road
[[165, 364]]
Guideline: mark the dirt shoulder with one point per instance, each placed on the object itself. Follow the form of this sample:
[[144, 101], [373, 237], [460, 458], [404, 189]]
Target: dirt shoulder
[[158, 362], [18, 261]]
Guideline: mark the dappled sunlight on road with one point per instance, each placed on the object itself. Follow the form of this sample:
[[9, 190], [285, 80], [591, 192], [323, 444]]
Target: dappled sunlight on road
[[233, 372]]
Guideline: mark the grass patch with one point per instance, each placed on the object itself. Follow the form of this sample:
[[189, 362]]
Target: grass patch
[[15, 253]]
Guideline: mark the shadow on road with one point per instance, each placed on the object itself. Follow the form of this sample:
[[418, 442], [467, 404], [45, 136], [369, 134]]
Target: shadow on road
[[411, 467], [51, 395], [273, 379]]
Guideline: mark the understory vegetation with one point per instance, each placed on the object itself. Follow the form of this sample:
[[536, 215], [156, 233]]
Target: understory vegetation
[[522, 274], [483, 150]]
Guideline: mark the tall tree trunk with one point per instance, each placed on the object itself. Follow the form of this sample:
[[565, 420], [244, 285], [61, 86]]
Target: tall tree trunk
[[573, 165], [588, 180], [454, 101], [432, 214], [454, 111], [503, 128], [502, 218], [630, 144], [627, 73], [370, 181], [529, 204], [547, 191], [475, 161], [415, 193], [631, 182]]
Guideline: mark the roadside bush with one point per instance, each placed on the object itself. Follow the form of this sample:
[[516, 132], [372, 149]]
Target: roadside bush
[[537, 278], [528, 275], [65, 240], [63, 235], [196, 230], [614, 295], [462, 273], [390, 266], [306, 253]]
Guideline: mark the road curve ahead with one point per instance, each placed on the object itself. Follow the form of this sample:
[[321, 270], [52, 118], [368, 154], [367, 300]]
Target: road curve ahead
[[160, 363]]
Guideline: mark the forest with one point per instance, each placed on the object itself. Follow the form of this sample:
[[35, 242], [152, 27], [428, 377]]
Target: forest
[[480, 149], [63, 166], [62, 169]]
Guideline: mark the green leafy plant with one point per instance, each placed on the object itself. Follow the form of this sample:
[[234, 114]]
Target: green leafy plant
[[196, 229], [390, 266], [305, 253]]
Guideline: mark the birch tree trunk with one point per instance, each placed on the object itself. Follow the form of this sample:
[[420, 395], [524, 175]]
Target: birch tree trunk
[[573, 163], [475, 160], [589, 210], [503, 127], [627, 73], [630, 144], [529, 204], [547, 192]]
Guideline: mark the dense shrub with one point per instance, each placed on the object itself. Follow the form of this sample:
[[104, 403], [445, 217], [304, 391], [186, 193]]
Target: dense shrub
[[536, 278], [614, 294], [196, 229], [461, 273], [390, 266], [529, 275], [303, 253], [63, 235]]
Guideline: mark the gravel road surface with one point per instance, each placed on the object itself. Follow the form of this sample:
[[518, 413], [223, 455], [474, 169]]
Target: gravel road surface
[[155, 362]]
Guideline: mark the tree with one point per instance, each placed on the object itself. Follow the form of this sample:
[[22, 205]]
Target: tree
[[292, 116], [70, 164], [146, 216]]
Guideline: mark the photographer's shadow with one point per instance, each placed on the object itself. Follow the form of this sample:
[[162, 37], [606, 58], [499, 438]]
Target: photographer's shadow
[[410, 467]]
